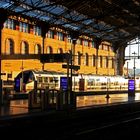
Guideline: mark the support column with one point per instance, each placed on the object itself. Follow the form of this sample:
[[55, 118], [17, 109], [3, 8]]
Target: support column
[[44, 30], [97, 43], [3, 18], [71, 94], [120, 61]]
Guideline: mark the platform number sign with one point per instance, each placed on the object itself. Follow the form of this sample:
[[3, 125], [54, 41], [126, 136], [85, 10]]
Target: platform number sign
[[17, 85], [131, 86], [63, 83]]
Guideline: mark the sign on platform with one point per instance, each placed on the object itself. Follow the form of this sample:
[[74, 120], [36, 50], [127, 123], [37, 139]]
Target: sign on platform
[[64, 83], [131, 87]]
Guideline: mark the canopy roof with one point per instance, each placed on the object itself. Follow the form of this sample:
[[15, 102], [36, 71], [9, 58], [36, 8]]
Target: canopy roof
[[111, 20]]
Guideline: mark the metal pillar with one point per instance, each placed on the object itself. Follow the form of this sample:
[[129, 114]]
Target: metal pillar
[[134, 72], [44, 30], [98, 42], [3, 18]]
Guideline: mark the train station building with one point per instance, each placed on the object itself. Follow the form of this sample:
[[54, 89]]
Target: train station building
[[23, 37], [24, 34], [71, 55]]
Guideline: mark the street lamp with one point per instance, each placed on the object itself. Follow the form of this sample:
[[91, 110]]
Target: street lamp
[[107, 92], [134, 70]]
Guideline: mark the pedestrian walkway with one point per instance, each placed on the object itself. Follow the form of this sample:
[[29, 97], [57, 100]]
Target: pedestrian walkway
[[98, 100], [20, 107]]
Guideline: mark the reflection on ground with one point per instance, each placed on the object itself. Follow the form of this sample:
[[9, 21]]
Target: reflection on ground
[[101, 99], [16, 107]]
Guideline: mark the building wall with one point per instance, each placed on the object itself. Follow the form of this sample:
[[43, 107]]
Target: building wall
[[15, 66]]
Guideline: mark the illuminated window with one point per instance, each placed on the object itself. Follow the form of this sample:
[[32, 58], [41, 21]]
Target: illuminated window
[[37, 49], [60, 50], [113, 63], [23, 27], [60, 36], [24, 48], [101, 47], [50, 34], [93, 60], [10, 24], [37, 30], [69, 39], [100, 61], [92, 44], [79, 41], [86, 59], [9, 49], [107, 61], [79, 58], [85, 42], [49, 49]]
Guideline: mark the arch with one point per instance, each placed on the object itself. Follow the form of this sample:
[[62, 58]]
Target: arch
[[79, 58], [59, 50], [24, 48], [100, 61], [37, 49], [93, 60], [86, 59], [9, 47], [49, 49]]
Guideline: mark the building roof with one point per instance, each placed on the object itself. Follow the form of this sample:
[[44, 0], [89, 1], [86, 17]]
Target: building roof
[[117, 21]]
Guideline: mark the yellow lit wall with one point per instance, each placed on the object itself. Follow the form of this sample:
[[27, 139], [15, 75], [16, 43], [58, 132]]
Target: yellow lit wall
[[15, 66]]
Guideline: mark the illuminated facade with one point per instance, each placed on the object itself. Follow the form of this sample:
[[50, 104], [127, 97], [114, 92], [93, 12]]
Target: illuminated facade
[[20, 36]]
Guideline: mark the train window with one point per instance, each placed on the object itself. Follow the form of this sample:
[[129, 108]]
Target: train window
[[51, 79], [45, 79], [39, 79], [91, 82], [56, 79], [31, 78]]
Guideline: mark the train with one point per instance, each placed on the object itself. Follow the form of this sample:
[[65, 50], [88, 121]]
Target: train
[[26, 80]]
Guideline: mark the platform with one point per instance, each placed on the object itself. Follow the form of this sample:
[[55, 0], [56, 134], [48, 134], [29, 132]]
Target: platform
[[20, 106], [56, 124]]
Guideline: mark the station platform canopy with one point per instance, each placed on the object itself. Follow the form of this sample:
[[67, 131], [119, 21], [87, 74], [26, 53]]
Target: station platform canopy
[[117, 21]]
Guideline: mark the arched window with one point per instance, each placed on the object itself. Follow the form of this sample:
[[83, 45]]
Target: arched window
[[107, 61], [93, 60], [100, 61], [113, 63], [24, 48], [9, 49], [37, 49], [86, 59], [49, 49], [60, 50], [79, 58]]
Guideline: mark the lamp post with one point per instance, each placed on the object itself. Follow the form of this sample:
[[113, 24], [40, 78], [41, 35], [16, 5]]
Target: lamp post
[[107, 92], [134, 53], [22, 79]]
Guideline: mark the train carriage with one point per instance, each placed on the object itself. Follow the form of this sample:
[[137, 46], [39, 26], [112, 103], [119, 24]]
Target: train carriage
[[51, 79]]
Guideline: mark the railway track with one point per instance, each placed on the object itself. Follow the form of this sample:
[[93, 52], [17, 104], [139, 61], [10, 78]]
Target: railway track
[[106, 124]]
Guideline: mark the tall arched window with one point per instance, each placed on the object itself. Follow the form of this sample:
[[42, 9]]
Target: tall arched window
[[100, 61], [93, 60], [37, 49], [79, 58], [60, 50], [9, 49], [113, 63], [86, 59], [107, 60], [49, 49], [24, 48]]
